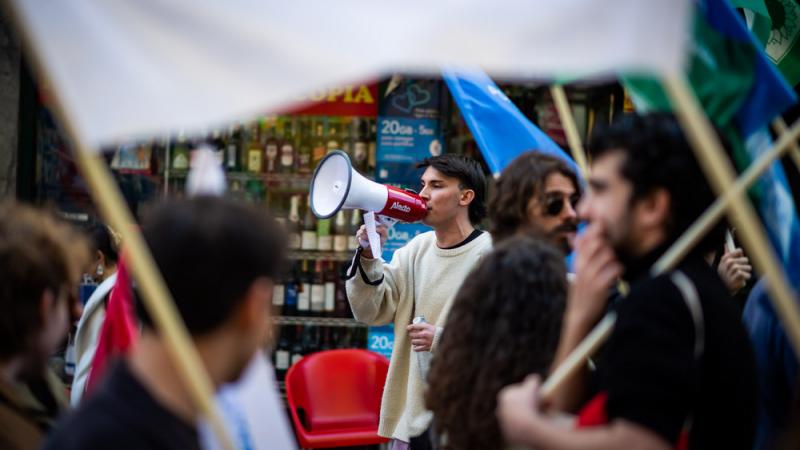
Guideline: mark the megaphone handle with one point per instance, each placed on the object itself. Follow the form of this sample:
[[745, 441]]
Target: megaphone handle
[[372, 234]]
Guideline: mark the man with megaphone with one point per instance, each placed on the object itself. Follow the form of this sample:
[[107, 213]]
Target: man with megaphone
[[419, 285]]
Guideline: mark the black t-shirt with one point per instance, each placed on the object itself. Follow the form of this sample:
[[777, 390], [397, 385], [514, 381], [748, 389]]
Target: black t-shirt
[[654, 379], [122, 415]]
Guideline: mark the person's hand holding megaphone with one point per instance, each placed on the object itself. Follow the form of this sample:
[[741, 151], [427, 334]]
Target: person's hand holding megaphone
[[361, 235]]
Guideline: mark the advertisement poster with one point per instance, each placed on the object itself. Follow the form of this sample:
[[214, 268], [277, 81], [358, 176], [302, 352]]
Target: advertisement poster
[[408, 130]]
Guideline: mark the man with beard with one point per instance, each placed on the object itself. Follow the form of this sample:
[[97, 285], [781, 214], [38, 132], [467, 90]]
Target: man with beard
[[678, 368], [536, 194], [40, 266], [219, 260]]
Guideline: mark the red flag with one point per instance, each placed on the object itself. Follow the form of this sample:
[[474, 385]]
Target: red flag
[[119, 331]]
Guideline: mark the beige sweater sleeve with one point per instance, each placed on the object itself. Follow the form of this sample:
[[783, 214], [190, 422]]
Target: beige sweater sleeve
[[376, 305]]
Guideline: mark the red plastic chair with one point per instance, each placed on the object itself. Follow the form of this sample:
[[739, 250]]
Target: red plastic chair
[[335, 398]]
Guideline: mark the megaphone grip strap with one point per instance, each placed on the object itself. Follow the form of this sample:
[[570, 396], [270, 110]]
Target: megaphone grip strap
[[355, 264]]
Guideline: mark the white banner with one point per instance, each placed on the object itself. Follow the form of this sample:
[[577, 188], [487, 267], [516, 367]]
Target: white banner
[[134, 69]]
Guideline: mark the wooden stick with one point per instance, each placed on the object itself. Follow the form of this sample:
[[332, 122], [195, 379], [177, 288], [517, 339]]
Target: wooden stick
[[577, 358], [718, 169], [568, 122], [158, 301], [779, 125], [700, 227]]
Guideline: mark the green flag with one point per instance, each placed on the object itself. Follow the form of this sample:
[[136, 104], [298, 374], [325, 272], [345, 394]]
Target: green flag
[[776, 24]]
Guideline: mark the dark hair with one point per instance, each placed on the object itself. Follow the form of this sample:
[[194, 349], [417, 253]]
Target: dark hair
[[504, 325], [470, 176], [37, 253], [523, 178], [102, 240], [658, 156], [210, 251]]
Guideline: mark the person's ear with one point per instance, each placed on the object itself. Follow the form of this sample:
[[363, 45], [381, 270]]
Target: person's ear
[[47, 302], [100, 258], [467, 195], [655, 209], [255, 308]]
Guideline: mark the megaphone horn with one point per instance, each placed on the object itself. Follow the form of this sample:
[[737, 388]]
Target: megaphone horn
[[336, 186]]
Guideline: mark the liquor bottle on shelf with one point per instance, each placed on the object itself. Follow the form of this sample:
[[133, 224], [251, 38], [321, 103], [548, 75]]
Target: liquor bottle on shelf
[[339, 231], [334, 140], [304, 148], [324, 237], [326, 343], [342, 306], [355, 224], [271, 150], [255, 151], [320, 147], [309, 236], [294, 227], [372, 143], [347, 136], [360, 147], [297, 345], [317, 290], [287, 148], [282, 354], [217, 146], [290, 292], [329, 277], [278, 297], [232, 150], [304, 290], [180, 155], [311, 340]]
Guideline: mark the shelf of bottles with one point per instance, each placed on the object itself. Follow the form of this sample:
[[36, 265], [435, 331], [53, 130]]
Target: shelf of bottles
[[270, 162]]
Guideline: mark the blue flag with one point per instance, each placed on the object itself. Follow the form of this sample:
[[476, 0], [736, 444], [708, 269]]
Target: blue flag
[[500, 129]]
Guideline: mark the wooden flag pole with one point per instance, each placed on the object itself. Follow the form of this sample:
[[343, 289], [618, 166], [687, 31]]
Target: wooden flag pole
[[710, 155], [577, 358], [700, 227], [107, 196], [779, 125], [568, 122]]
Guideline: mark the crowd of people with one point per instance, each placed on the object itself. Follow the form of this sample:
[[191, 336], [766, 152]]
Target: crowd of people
[[481, 318]]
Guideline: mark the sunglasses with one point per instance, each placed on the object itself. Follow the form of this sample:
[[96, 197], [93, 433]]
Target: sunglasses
[[554, 204]]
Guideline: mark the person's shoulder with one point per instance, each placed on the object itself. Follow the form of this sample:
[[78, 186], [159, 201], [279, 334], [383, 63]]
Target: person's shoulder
[[95, 425], [654, 300]]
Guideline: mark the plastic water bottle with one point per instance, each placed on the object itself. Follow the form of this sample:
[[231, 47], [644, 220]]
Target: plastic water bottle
[[424, 357]]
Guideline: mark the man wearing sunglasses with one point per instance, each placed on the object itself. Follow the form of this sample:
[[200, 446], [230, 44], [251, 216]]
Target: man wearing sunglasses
[[537, 194]]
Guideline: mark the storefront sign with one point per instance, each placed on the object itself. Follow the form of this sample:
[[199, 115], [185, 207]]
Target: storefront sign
[[360, 100]]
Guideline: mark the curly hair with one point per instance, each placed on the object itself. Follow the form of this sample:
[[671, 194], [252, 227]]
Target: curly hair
[[504, 325], [520, 181]]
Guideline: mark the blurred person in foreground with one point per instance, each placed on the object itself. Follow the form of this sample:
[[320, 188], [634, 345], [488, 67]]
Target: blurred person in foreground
[[41, 260], [219, 260], [504, 325], [678, 370], [536, 194]]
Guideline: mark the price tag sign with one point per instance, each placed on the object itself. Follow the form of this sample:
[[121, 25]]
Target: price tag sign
[[381, 340]]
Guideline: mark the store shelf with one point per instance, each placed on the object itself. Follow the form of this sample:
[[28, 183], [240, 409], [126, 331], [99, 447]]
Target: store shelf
[[318, 321], [312, 254], [270, 178]]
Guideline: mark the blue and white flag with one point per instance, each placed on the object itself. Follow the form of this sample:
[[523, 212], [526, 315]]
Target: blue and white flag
[[498, 126]]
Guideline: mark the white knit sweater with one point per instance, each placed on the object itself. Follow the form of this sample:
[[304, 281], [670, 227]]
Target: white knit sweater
[[422, 279]]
